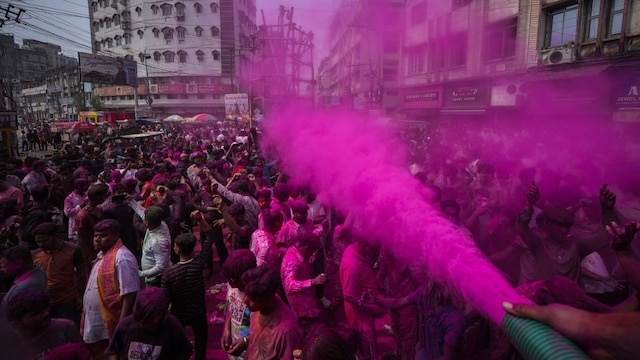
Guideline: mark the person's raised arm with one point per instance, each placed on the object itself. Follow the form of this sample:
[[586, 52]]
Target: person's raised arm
[[621, 238], [607, 204], [137, 208], [524, 218]]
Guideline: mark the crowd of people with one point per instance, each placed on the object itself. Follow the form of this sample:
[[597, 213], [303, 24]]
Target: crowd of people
[[100, 256]]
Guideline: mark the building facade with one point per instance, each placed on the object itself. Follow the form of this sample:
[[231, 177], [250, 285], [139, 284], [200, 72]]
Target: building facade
[[502, 59], [465, 60], [189, 53], [362, 70]]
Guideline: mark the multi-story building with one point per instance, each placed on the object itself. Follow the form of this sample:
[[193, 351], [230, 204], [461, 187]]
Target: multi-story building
[[498, 59], [362, 69], [49, 76], [189, 53]]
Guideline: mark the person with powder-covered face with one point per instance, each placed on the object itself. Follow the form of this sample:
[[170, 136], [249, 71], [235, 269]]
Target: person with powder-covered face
[[555, 250]]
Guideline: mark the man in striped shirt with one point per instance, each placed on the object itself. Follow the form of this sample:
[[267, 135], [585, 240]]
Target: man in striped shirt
[[183, 283]]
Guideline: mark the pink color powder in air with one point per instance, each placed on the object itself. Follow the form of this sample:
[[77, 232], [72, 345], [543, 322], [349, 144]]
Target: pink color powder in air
[[355, 166]]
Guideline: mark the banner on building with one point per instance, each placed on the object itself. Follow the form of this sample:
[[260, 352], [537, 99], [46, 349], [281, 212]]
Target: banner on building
[[236, 105], [99, 69]]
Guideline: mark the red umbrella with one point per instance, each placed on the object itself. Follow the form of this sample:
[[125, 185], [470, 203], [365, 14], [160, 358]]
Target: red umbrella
[[83, 126]]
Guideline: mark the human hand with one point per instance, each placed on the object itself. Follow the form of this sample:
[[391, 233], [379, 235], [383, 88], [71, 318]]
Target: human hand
[[607, 198], [218, 223], [621, 238], [602, 336], [196, 216], [225, 340], [319, 280], [568, 321], [533, 195], [237, 347]]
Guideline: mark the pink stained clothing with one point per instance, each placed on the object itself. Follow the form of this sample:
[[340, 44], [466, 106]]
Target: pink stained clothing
[[12, 192], [72, 206], [263, 245], [296, 274], [274, 336], [356, 278], [291, 228]]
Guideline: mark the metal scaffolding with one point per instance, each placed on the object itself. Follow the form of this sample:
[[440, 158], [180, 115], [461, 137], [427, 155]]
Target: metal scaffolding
[[282, 70]]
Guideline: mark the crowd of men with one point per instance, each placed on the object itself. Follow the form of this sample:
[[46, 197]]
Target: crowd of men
[[100, 257]]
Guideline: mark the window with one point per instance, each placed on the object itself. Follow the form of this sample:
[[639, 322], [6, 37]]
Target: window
[[214, 8], [127, 39], [197, 7], [617, 15], [140, 34], [116, 19], [416, 60], [94, 6], [118, 39], [109, 43], [562, 26], [200, 55], [215, 32], [419, 13], [168, 33], [154, 9], [179, 9], [166, 9], [156, 33], [107, 23], [96, 26], [593, 20], [181, 31], [436, 55], [198, 31], [156, 56], [182, 56], [500, 40], [216, 55], [96, 45], [101, 23], [458, 50], [139, 11], [168, 56]]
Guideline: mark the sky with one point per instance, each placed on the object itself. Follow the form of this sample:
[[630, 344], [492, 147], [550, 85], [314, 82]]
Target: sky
[[66, 22]]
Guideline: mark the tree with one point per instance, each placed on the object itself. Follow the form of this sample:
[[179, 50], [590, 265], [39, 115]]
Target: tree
[[79, 101], [96, 103]]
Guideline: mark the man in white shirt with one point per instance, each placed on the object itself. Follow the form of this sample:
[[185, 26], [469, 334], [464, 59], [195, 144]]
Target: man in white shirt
[[112, 287], [156, 248]]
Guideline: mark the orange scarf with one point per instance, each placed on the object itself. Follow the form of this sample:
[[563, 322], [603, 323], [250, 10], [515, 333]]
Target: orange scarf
[[109, 289]]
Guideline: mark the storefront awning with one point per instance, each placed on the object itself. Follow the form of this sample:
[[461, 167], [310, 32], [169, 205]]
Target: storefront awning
[[551, 73]]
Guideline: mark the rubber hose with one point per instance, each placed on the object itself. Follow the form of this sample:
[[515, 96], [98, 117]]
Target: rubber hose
[[537, 341]]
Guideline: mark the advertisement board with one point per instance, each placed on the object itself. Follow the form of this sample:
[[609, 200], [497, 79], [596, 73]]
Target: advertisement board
[[237, 105], [99, 69]]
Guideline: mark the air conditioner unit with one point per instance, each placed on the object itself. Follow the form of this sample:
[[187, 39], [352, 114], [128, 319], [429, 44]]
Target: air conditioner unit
[[555, 56], [508, 95]]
